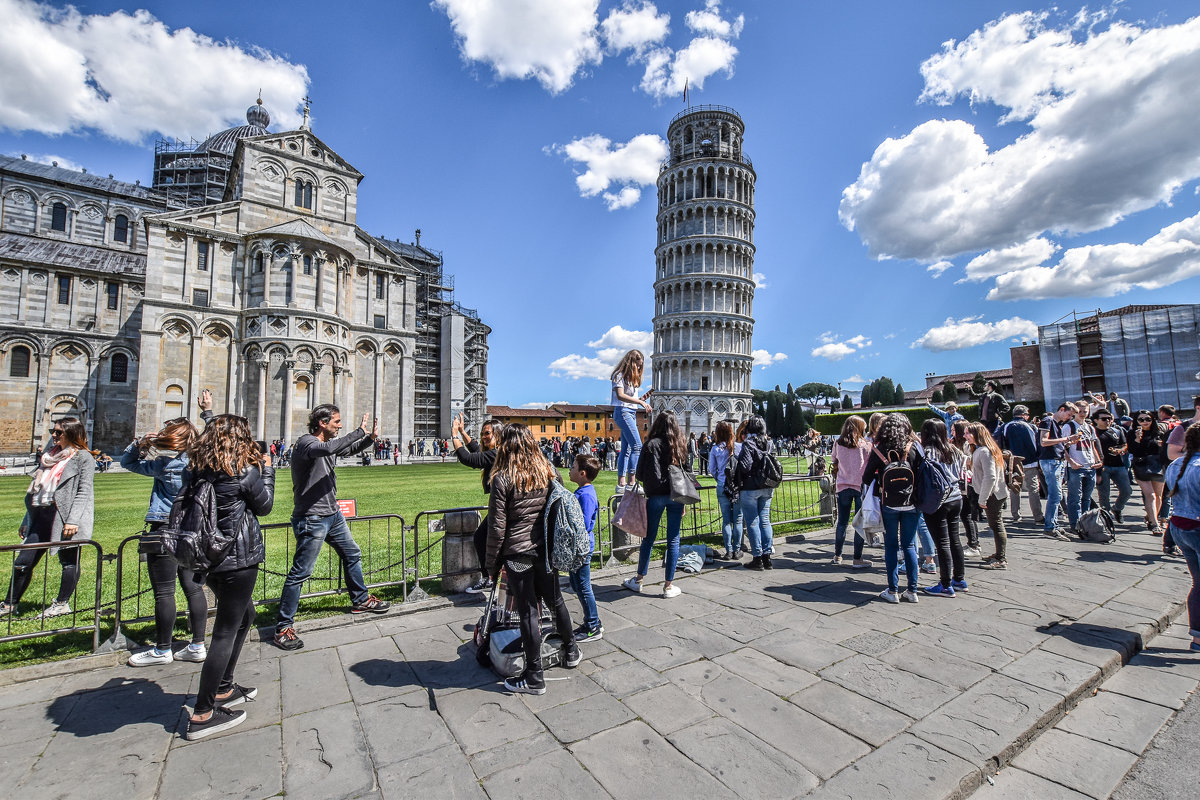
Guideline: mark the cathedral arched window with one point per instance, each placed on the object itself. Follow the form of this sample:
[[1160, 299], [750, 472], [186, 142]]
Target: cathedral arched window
[[121, 228], [304, 192], [308, 265], [118, 368], [258, 261], [58, 217], [18, 362]]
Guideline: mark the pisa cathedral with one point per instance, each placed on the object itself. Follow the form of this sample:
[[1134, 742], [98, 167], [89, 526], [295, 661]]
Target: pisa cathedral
[[242, 270], [704, 282]]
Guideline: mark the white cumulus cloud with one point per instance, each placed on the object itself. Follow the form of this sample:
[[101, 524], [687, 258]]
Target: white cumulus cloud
[[1103, 270], [760, 280], [938, 268], [548, 40], [855, 378], [968, 332], [129, 76], [609, 349], [627, 167], [1009, 259], [1106, 135], [834, 350], [668, 72], [635, 26], [764, 358], [711, 23]]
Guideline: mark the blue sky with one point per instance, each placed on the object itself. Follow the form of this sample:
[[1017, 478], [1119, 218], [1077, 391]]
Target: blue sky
[[934, 178]]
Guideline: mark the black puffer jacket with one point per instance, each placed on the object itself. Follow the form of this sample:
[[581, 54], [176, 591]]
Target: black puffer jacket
[[516, 523], [654, 466], [241, 500], [751, 462]]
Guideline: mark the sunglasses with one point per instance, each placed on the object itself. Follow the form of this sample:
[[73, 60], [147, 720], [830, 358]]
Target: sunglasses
[[57, 432], [1145, 419], [1104, 419]]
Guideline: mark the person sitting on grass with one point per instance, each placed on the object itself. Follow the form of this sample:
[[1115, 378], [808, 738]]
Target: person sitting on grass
[[583, 472]]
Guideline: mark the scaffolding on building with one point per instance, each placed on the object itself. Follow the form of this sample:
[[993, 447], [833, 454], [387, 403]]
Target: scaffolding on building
[[190, 175]]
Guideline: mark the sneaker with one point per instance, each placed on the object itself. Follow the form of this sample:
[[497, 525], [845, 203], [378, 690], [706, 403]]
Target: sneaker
[[1040, 521], [1195, 647], [526, 685], [482, 586], [997, 564], [585, 634], [908, 596], [889, 596], [755, 563], [1172, 551], [571, 656], [959, 586], [971, 552], [928, 566], [196, 652], [671, 591], [372, 605], [619, 490], [837, 561], [861, 563], [937, 590], [221, 720], [56, 609], [150, 658], [237, 696], [766, 561], [1117, 517], [6, 609], [287, 639], [632, 584]]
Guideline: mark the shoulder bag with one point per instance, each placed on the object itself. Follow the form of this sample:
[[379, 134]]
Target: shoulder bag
[[684, 488]]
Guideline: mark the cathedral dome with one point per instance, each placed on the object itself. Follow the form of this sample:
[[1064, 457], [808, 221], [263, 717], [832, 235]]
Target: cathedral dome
[[257, 120]]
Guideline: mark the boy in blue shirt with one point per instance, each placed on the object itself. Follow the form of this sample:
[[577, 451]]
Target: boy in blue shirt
[[583, 471]]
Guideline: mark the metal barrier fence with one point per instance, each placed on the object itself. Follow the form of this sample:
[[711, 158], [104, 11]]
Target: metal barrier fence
[[47, 626]]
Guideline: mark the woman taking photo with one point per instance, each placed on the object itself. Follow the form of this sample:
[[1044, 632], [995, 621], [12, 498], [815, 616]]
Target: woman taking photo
[[163, 457], [731, 512], [850, 454], [1146, 446], [243, 482], [987, 476], [943, 523], [626, 382], [755, 496], [664, 447], [1183, 481], [58, 507], [520, 486]]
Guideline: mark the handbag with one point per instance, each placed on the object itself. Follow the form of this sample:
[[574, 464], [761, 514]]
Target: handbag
[[683, 486], [631, 512]]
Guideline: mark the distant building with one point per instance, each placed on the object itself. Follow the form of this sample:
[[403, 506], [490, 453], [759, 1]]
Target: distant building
[[962, 381], [544, 423], [563, 420]]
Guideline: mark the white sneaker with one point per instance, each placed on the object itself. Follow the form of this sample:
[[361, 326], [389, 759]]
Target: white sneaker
[[56, 609], [193, 652], [150, 658], [6, 609], [632, 584], [908, 596], [971, 552], [672, 591], [889, 596]]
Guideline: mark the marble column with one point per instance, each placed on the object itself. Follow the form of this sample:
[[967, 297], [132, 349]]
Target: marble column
[[378, 405], [289, 373], [193, 382], [264, 364]]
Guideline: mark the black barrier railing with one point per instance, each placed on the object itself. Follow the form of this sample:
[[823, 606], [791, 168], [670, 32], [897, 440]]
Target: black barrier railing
[[42, 625]]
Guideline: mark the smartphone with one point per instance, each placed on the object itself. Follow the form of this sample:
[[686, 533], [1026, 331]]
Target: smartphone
[[262, 447]]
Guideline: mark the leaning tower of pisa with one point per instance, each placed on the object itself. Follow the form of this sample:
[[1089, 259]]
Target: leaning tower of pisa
[[704, 279]]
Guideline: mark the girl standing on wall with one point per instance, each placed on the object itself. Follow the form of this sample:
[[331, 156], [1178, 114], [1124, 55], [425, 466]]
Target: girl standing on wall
[[626, 382]]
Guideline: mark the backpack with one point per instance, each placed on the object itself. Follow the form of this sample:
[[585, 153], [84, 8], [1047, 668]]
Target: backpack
[[191, 534], [570, 547], [1097, 526], [733, 480], [1014, 472], [898, 482], [935, 485], [772, 471]]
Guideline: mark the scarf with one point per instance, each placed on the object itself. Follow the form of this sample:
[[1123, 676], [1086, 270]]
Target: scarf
[[49, 472]]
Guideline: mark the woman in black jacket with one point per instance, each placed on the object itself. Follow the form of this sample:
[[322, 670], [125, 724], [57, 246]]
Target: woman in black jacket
[[244, 484], [664, 446], [1146, 445], [521, 478], [755, 496]]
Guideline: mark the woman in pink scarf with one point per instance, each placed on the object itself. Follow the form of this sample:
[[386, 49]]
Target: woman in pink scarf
[[59, 506]]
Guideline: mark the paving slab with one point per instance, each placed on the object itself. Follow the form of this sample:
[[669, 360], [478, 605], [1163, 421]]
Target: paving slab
[[739, 625], [763, 670], [1070, 678], [667, 708], [443, 774], [1076, 762], [1151, 685], [1017, 784], [744, 763], [235, 766], [582, 718], [860, 716], [653, 647], [481, 719], [905, 768], [936, 665], [1117, 720], [627, 678], [551, 776], [374, 670], [904, 691], [398, 728], [696, 637], [312, 680], [514, 754], [326, 755], [801, 651]]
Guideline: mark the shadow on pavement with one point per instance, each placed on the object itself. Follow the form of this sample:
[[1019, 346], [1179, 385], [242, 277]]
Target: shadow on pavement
[[119, 703]]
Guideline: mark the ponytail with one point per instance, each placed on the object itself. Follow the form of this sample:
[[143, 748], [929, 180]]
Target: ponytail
[[1192, 443]]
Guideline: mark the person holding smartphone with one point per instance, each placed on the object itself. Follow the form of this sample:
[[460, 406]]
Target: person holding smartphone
[[1056, 433]]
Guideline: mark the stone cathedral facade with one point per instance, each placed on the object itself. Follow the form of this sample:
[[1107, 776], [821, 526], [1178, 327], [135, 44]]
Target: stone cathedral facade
[[704, 261], [119, 303]]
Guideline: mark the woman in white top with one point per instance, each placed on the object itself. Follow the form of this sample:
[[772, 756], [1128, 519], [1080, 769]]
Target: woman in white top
[[626, 381], [987, 476]]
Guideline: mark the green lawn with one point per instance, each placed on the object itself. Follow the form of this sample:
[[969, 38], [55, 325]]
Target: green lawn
[[407, 490]]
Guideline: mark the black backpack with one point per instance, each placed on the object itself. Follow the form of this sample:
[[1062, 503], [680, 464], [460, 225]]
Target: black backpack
[[898, 481], [191, 534]]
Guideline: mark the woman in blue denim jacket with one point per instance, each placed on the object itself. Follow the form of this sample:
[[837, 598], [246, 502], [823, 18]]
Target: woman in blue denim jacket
[[163, 457], [1183, 487]]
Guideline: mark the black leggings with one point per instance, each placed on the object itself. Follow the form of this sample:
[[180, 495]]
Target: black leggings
[[164, 572], [970, 508], [481, 537], [528, 587], [943, 526], [235, 615], [41, 522]]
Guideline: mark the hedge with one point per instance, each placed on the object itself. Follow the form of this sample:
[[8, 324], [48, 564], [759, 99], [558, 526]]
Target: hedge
[[831, 424]]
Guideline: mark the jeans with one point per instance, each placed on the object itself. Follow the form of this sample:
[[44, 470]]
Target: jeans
[[1030, 485], [731, 521], [527, 587], [1189, 543], [164, 573], [631, 441], [311, 533], [1052, 471], [995, 520], [756, 510], [581, 584], [845, 499], [943, 524], [41, 520], [900, 533], [235, 614], [656, 504], [1119, 476], [1080, 483], [923, 536]]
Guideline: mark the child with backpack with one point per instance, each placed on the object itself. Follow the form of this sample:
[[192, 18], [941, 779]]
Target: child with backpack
[[893, 465], [583, 472]]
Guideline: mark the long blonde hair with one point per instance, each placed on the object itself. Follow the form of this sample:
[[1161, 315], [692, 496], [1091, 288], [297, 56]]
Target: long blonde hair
[[520, 460], [979, 433], [629, 368]]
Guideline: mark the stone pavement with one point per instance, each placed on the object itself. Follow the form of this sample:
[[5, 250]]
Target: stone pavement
[[783, 684]]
